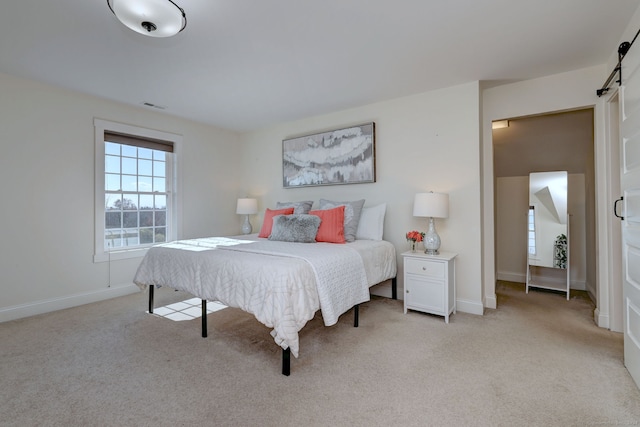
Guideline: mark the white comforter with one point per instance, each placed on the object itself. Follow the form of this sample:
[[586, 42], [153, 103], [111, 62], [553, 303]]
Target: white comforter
[[281, 284]]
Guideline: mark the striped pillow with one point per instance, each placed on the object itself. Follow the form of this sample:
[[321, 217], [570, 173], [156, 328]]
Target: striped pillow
[[331, 228], [352, 213]]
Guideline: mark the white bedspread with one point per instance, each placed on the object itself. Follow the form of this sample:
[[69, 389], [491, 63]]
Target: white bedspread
[[281, 284], [340, 276]]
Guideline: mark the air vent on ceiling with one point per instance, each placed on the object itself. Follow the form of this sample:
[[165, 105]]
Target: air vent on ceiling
[[159, 107]]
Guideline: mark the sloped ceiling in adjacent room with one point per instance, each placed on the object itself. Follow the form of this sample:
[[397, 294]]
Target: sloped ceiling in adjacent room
[[552, 203]]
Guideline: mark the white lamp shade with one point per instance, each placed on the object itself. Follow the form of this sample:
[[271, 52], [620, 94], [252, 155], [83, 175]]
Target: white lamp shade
[[166, 16], [247, 206], [434, 205]]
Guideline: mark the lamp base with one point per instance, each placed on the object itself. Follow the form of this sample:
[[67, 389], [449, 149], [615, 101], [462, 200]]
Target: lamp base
[[246, 226], [431, 239]]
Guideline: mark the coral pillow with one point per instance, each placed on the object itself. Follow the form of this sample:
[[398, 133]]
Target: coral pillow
[[331, 228], [267, 222]]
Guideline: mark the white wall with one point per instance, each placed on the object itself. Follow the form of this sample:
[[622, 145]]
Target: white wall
[[561, 92], [47, 171], [428, 141]]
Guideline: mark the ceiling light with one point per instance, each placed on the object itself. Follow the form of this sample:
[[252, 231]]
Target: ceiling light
[[500, 124], [155, 18]]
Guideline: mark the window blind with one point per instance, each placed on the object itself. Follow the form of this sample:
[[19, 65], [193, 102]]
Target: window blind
[[138, 141]]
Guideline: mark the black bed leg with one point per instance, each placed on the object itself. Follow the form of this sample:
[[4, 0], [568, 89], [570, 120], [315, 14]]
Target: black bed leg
[[394, 288], [286, 361], [151, 287], [204, 318], [356, 312]]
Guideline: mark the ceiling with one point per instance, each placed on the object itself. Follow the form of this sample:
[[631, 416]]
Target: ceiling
[[244, 65]]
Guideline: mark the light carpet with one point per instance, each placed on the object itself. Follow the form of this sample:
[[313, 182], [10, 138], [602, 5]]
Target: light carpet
[[537, 360]]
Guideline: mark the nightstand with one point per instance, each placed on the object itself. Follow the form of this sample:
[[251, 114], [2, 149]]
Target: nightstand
[[430, 283]]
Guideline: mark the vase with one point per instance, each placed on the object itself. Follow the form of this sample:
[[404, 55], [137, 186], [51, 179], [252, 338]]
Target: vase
[[412, 244]]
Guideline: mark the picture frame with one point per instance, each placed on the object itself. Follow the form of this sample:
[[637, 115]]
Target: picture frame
[[335, 157]]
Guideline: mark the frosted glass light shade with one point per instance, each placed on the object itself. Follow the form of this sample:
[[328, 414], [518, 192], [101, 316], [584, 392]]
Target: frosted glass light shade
[[435, 205], [155, 18]]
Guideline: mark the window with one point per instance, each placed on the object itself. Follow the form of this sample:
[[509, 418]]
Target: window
[[135, 194], [532, 230], [135, 189]]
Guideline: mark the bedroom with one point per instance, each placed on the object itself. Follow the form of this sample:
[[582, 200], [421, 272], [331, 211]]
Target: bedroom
[[48, 132]]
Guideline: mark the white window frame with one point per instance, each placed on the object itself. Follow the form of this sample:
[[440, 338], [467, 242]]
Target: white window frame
[[173, 202]]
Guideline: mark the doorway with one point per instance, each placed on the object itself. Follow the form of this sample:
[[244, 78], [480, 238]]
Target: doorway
[[558, 141]]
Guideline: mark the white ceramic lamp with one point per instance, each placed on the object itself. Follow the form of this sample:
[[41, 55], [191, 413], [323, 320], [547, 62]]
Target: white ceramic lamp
[[431, 205], [247, 207]]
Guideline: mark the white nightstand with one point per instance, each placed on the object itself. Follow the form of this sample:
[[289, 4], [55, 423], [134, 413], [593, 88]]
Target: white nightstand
[[430, 283]]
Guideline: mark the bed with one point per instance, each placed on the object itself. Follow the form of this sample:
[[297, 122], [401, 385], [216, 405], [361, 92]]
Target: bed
[[283, 284]]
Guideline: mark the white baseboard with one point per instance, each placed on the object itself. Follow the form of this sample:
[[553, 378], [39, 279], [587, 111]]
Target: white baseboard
[[511, 277], [602, 320], [53, 304], [578, 285], [491, 301], [471, 307]]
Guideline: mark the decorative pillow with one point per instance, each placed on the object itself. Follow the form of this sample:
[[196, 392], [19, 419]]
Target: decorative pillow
[[299, 228], [371, 223], [331, 228], [298, 207], [352, 212], [267, 222]]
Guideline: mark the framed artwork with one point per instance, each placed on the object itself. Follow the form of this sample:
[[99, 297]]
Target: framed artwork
[[341, 156]]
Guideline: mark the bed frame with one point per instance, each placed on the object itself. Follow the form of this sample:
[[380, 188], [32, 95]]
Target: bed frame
[[286, 352]]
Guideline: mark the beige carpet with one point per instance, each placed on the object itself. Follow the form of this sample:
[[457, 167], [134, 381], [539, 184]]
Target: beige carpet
[[538, 360]]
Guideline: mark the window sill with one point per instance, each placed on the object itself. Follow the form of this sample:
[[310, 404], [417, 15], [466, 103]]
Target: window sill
[[118, 255]]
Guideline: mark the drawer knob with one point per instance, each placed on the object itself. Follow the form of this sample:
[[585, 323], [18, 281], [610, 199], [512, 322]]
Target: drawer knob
[[424, 268]]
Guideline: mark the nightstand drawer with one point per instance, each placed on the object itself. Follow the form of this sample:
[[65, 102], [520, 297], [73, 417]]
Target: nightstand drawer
[[424, 267]]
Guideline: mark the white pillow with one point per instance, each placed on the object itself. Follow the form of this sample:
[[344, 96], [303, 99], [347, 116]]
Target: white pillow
[[371, 223]]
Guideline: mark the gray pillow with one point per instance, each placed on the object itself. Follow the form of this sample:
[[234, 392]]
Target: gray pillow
[[352, 212], [298, 207], [299, 228]]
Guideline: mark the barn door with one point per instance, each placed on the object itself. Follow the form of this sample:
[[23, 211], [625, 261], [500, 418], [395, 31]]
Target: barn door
[[630, 186]]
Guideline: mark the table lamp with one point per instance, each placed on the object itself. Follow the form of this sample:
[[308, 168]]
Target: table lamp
[[247, 207], [431, 205]]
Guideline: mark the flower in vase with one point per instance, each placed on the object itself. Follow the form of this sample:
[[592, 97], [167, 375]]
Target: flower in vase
[[415, 236]]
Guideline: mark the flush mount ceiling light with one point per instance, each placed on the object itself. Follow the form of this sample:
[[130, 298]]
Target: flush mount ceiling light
[[155, 18]]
